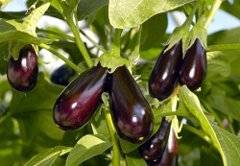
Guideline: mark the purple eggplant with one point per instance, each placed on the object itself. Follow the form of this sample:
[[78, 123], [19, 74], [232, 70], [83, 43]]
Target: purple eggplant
[[170, 154], [164, 76], [154, 147], [79, 100], [62, 75], [131, 112], [193, 69], [22, 73]]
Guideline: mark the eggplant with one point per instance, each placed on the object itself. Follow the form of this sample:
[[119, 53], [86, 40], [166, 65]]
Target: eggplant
[[164, 76], [155, 146], [22, 73], [131, 112], [62, 75], [193, 69], [79, 100], [170, 154]]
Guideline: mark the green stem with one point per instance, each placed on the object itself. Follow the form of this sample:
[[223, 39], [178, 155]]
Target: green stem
[[92, 41], [214, 8], [112, 131], [78, 40], [66, 60]]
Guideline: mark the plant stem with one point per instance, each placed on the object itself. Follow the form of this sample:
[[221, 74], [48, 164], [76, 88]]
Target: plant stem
[[78, 40], [66, 60], [112, 131], [92, 41], [214, 8]]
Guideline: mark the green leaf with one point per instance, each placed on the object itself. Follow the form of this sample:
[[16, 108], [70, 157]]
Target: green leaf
[[230, 145], [30, 22], [152, 36], [134, 159], [224, 47], [125, 13], [112, 61], [86, 148], [34, 110], [225, 37], [232, 7], [87, 7], [191, 102], [48, 157]]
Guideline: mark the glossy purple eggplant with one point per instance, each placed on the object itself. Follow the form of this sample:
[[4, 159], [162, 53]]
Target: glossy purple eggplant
[[154, 147], [193, 69], [130, 110], [164, 76], [78, 101], [22, 74], [170, 154], [62, 75]]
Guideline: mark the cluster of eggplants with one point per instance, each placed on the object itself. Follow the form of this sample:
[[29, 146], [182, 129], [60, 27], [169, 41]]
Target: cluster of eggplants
[[131, 112], [162, 148], [171, 68], [62, 75], [22, 73]]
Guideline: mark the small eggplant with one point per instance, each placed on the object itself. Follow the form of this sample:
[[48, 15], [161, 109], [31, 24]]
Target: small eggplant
[[193, 69], [131, 112], [62, 75], [78, 101], [164, 76], [170, 154], [22, 73], [154, 147]]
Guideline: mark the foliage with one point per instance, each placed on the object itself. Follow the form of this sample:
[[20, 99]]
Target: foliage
[[130, 32]]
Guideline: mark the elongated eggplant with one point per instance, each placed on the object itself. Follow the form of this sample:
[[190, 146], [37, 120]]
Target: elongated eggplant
[[78, 101], [193, 69], [130, 110], [164, 76], [155, 146], [22, 73], [62, 75], [170, 154]]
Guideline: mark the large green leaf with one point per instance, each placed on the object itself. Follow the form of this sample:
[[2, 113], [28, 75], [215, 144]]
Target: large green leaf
[[125, 13], [48, 157], [135, 159], [87, 7], [225, 37], [86, 148], [221, 143], [152, 36]]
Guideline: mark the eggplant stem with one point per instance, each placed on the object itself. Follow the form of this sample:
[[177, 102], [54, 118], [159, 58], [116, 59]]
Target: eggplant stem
[[216, 5], [116, 151], [79, 42]]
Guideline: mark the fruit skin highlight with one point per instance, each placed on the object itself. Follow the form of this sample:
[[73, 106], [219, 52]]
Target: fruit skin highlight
[[62, 75], [164, 76], [193, 69], [79, 100], [155, 146], [22, 73], [131, 112]]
